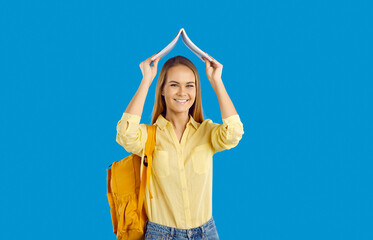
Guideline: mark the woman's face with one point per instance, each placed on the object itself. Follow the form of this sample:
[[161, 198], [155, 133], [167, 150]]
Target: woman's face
[[180, 86]]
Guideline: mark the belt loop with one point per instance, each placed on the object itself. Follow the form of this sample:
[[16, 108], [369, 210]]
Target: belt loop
[[189, 233], [172, 233], [203, 231]]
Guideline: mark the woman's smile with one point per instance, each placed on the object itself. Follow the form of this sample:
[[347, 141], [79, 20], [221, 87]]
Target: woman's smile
[[181, 101]]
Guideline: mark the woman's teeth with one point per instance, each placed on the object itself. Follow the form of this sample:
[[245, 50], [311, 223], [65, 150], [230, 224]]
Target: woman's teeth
[[181, 101]]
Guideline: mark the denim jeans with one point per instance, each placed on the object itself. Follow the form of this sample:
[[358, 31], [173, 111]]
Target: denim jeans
[[155, 231]]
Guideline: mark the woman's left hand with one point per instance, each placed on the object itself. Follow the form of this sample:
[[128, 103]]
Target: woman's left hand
[[213, 70]]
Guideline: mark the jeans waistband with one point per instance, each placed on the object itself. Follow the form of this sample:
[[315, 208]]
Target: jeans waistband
[[178, 231]]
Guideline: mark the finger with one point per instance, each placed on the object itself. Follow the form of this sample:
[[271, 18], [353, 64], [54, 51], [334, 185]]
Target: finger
[[207, 62], [155, 64], [216, 63], [149, 61], [153, 55], [210, 56]]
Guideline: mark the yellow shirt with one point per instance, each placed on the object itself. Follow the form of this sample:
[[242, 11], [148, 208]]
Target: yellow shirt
[[181, 179]]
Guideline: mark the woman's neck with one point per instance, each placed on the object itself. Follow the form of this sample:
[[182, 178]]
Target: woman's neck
[[179, 121]]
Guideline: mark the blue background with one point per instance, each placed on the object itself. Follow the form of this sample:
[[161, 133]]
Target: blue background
[[298, 72]]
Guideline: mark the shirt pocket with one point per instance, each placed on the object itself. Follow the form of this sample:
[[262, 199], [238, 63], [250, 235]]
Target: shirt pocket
[[161, 165], [202, 158]]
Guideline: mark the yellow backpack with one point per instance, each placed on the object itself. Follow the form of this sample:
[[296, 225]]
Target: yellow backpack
[[126, 192]]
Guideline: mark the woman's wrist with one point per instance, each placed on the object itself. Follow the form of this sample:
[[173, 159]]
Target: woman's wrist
[[146, 82]]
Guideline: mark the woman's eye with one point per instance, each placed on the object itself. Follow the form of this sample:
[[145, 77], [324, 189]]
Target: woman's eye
[[176, 85]]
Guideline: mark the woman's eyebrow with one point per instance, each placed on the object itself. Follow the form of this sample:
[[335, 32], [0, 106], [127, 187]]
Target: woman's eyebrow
[[178, 82]]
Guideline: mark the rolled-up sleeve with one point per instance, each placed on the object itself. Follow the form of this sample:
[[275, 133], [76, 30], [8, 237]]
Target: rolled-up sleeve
[[227, 135], [133, 137]]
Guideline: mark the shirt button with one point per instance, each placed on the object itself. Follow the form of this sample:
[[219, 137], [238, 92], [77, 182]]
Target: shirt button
[[184, 189], [182, 169], [186, 208], [179, 152]]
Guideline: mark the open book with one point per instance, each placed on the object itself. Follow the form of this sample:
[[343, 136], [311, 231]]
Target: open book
[[187, 42]]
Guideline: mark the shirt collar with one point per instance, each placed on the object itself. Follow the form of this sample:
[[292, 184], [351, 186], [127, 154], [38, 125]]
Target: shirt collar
[[162, 122]]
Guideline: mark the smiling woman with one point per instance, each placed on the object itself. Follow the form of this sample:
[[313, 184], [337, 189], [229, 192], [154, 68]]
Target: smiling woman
[[181, 207], [179, 94], [178, 81]]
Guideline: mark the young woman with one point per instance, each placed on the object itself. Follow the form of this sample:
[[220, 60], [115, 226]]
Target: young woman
[[181, 180]]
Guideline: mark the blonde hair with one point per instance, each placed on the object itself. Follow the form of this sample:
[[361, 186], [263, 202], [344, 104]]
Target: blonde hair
[[160, 104]]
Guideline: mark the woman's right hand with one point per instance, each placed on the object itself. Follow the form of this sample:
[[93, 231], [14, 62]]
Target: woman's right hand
[[148, 72]]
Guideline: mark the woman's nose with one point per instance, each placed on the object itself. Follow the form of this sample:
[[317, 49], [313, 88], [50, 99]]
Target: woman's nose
[[181, 90]]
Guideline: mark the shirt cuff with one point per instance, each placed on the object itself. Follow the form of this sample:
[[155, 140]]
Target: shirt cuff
[[233, 118], [133, 118], [234, 128]]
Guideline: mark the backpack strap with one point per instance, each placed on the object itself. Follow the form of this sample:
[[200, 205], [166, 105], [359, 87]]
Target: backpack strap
[[148, 159], [149, 149]]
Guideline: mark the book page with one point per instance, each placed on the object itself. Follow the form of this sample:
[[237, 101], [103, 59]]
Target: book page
[[187, 42], [194, 48]]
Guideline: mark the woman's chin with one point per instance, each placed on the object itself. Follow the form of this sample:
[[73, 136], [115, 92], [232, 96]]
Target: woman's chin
[[180, 110]]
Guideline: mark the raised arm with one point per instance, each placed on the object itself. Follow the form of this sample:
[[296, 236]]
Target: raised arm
[[130, 133], [227, 108], [213, 71], [136, 105], [226, 135]]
